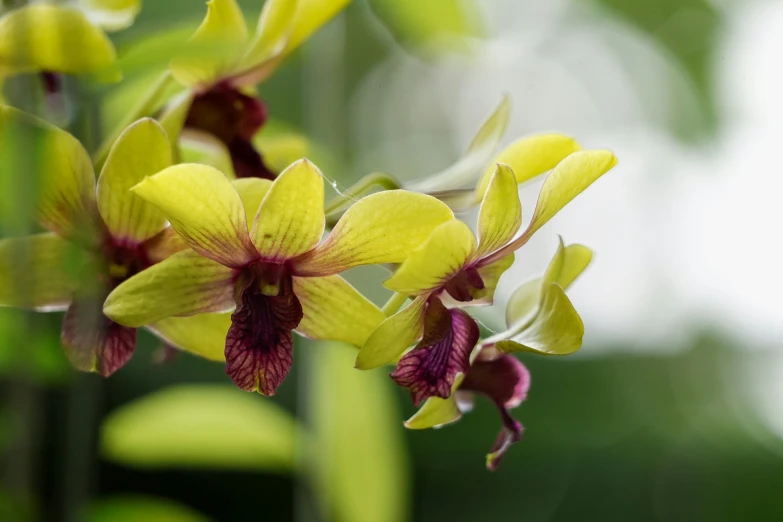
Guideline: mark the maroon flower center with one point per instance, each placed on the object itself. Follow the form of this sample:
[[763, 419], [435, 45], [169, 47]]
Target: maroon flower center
[[91, 340], [234, 118], [464, 285], [122, 261]]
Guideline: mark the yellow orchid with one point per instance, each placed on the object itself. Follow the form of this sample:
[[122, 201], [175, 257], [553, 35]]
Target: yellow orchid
[[277, 273], [98, 235], [222, 61], [33, 39], [453, 266], [540, 319]]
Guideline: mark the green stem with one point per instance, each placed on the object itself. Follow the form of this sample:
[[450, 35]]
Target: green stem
[[380, 179], [393, 304]]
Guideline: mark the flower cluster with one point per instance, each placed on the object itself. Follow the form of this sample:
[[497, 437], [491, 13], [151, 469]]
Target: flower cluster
[[228, 265]]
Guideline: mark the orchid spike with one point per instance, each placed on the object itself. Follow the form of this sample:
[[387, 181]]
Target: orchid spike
[[540, 319], [257, 248], [453, 266]]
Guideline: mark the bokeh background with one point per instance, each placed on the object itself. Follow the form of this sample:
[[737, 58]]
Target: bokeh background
[[671, 411]]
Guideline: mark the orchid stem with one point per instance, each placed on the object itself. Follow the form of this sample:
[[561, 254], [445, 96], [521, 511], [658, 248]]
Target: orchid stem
[[394, 303], [380, 179]]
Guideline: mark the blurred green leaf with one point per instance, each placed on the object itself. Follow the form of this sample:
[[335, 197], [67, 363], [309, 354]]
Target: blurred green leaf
[[431, 25], [138, 508], [359, 461], [30, 346], [214, 426]]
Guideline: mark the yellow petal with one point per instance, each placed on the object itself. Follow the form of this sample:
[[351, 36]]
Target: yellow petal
[[436, 412], [393, 336], [335, 310], [501, 212], [142, 150], [475, 159], [381, 228], [252, 192], [568, 262], [556, 329], [569, 179], [203, 334], [215, 48], [57, 166], [275, 26], [565, 266], [184, 284], [529, 157], [39, 271], [310, 16], [522, 304], [436, 260], [204, 208], [281, 30], [45, 37], [111, 15], [291, 220]]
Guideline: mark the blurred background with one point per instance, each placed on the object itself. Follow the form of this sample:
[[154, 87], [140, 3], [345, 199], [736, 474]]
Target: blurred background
[[671, 411]]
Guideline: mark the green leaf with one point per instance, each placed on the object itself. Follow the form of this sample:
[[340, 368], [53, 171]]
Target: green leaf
[[431, 26], [195, 426], [136, 508], [357, 452]]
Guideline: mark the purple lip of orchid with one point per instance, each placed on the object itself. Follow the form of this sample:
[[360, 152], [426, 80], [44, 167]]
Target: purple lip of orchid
[[505, 381], [259, 343], [444, 351], [234, 118], [85, 325], [449, 337]]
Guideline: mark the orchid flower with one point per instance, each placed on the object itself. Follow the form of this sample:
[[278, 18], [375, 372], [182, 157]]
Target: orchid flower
[[221, 61], [453, 266], [33, 37], [540, 319], [97, 237], [278, 275]]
